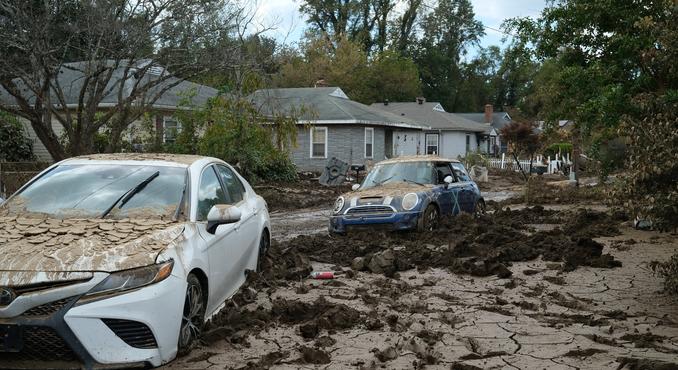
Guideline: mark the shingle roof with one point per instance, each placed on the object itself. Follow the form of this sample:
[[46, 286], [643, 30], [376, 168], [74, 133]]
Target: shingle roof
[[72, 75], [328, 105], [433, 114], [499, 119]]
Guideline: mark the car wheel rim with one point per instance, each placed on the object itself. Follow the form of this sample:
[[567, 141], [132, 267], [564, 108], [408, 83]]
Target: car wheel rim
[[480, 208], [263, 247], [432, 220], [191, 318]]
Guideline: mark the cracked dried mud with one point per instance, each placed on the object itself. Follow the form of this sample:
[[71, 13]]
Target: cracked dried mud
[[553, 287]]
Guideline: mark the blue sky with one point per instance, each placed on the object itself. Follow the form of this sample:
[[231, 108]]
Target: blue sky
[[290, 24]]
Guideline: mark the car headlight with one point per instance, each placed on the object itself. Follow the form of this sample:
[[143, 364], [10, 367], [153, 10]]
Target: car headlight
[[338, 204], [410, 201], [121, 281]]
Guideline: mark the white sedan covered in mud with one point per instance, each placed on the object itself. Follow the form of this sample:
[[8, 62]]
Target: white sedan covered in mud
[[120, 259]]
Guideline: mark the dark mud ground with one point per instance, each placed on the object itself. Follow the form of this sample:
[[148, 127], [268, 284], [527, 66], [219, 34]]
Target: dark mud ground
[[528, 288], [305, 193]]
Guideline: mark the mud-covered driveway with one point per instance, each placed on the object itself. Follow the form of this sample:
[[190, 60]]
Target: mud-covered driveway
[[411, 309]]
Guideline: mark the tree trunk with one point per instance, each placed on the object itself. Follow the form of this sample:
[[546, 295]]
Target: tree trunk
[[49, 139]]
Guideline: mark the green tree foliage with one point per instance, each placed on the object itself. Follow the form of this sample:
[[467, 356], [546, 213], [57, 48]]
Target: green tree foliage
[[385, 76], [235, 134], [650, 186], [448, 31], [371, 24], [478, 80], [14, 145], [613, 72], [120, 45]]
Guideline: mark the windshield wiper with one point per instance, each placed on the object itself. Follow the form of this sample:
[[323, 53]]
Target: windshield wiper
[[413, 182], [377, 183], [130, 193]]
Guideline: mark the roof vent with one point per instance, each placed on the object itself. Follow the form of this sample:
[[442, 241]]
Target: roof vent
[[320, 83], [421, 100], [385, 101]]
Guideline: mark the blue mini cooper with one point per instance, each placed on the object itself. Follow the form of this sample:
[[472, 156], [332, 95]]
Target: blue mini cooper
[[407, 193]]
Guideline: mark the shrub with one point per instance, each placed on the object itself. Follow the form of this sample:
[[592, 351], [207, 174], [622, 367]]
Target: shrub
[[476, 159], [558, 148], [649, 185], [236, 135], [669, 271], [14, 145]]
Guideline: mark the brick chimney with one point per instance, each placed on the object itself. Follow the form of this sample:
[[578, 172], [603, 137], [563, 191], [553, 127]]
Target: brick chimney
[[421, 100], [488, 113]]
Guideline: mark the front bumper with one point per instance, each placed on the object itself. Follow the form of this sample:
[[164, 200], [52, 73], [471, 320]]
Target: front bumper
[[133, 329], [396, 221]]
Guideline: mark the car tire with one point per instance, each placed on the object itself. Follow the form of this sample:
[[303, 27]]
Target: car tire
[[480, 208], [192, 317], [264, 245], [429, 219]]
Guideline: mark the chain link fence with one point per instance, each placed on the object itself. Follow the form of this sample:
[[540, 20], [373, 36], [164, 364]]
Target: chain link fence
[[14, 174]]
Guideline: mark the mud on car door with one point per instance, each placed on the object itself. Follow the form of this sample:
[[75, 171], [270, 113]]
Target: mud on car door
[[467, 192], [449, 193], [226, 247]]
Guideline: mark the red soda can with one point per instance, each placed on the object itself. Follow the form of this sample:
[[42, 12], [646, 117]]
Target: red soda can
[[322, 275]]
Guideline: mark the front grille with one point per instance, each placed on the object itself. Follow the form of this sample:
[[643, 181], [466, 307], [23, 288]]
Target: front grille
[[133, 333], [47, 308], [370, 210], [40, 343]]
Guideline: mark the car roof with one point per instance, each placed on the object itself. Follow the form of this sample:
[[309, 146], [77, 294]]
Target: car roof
[[177, 160], [418, 158]]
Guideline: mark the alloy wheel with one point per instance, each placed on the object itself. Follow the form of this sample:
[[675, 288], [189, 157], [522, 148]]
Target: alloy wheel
[[192, 317]]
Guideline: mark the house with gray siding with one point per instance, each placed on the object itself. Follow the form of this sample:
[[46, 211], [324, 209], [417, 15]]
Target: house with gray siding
[[495, 119], [165, 99], [333, 126], [449, 135]]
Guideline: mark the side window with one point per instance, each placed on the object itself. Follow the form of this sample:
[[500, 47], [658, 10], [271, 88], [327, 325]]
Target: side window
[[209, 193], [233, 185], [460, 171], [442, 171]]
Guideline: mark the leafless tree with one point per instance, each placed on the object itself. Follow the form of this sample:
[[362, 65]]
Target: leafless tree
[[124, 55]]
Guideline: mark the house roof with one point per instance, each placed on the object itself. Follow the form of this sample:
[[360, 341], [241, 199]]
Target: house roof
[[433, 115], [325, 105], [71, 78], [417, 158], [499, 119]]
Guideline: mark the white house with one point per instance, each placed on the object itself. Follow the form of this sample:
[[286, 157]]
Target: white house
[[450, 135]]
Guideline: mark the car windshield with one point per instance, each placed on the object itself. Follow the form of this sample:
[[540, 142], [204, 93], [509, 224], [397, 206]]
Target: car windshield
[[415, 172], [88, 191]]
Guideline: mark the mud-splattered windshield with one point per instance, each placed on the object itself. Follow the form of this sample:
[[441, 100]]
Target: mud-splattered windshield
[[87, 191], [413, 172]]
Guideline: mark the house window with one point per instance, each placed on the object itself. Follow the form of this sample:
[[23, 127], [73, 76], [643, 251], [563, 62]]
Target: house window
[[170, 129], [468, 143], [369, 142], [493, 144], [318, 142], [432, 141]]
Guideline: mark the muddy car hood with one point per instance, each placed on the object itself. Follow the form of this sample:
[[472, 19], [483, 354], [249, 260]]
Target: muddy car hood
[[34, 250], [393, 189]]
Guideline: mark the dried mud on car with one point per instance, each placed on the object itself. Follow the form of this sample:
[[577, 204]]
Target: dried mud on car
[[529, 288]]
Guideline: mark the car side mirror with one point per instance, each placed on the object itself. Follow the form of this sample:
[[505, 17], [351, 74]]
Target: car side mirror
[[222, 214], [448, 179], [355, 187]]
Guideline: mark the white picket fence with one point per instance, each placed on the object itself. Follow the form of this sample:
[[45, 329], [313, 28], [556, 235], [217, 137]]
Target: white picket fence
[[508, 163]]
